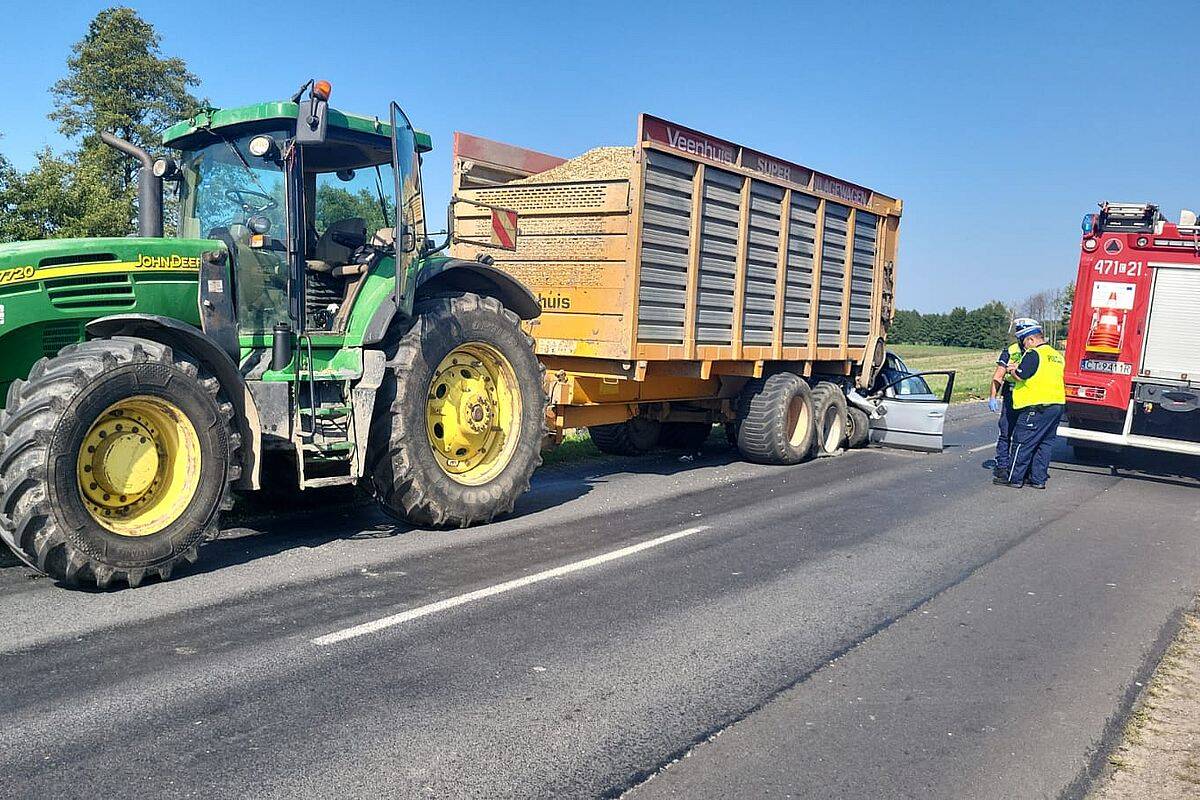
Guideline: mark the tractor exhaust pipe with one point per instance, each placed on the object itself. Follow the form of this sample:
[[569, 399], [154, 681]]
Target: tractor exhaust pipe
[[150, 187]]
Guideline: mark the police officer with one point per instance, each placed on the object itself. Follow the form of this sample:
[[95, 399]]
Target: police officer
[[1039, 398], [1000, 400]]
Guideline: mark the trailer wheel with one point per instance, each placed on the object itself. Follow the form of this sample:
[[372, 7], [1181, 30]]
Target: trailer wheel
[[633, 437], [116, 457], [858, 427], [829, 417], [775, 420], [689, 436], [460, 415]]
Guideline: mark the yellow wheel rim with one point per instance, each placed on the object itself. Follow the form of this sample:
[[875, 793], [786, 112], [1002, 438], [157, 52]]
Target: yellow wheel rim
[[139, 466], [473, 413]]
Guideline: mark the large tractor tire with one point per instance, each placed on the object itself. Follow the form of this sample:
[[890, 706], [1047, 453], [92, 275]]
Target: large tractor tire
[[116, 457], [858, 428], [633, 437], [460, 415], [689, 436], [829, 419], [775, 420]]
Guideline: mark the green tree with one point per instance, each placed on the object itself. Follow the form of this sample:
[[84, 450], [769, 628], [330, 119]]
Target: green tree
[[956, 327], [58, 198], [335, 203], [117, 80], [906, 327]]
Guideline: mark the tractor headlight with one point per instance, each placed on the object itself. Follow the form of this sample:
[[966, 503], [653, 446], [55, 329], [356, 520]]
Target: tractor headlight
[[262, 146], [259, 224], [165, 168]]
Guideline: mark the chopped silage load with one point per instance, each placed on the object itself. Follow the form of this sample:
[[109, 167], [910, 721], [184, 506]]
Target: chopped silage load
[[597, 164]]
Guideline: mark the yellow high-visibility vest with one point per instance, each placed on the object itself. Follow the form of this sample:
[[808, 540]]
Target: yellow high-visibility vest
[[1014, 357], [1045, 387]]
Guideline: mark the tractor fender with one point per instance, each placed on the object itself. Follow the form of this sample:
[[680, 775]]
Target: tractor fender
[[453, 275], [174, 333]]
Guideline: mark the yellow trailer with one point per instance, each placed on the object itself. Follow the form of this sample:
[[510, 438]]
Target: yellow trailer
[[677, 277]]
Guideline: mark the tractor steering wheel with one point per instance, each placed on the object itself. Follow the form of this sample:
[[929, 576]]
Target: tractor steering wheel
[[241, 197]]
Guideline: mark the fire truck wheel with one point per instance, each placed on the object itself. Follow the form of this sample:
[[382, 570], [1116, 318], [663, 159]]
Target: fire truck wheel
[[116, 457], [858, 428], [689, 436], [633, 437], [829, 417], [460, 415], [775, 420]]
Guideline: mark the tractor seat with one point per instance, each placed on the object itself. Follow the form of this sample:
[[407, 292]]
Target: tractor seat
[[332, 253]]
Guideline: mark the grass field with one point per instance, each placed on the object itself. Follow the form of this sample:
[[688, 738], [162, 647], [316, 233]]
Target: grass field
[[973, 367]]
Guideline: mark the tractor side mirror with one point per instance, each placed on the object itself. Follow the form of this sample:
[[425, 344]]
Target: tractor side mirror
[[312, 118], [408, 239]]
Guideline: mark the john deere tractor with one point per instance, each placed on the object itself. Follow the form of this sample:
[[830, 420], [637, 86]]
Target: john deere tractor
[[301, 319]]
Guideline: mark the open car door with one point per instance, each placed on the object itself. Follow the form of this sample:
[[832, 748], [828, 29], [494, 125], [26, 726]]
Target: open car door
[[912, 414]]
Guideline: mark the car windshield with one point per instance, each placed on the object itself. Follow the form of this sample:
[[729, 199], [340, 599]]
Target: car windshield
[[218, 190], [895, 369]]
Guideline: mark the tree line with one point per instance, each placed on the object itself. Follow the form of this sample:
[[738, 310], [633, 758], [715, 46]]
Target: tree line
[[117, 79], [987, 326]]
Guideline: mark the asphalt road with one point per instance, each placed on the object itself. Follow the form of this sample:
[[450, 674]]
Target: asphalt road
[[879, 624]]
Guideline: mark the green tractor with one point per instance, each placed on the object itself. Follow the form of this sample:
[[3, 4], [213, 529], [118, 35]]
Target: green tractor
[[284, 329]]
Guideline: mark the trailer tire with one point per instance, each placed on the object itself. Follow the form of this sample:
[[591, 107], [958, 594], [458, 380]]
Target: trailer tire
[[775, 420], [689, 436], [158, 430], [633, 437], [858, 427], [472, 350], [829, 419]]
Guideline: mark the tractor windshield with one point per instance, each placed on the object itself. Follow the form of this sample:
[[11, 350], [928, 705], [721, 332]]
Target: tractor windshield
[[223, 186], [227, 193]]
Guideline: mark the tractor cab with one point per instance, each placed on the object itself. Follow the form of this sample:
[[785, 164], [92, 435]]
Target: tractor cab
[[306, 218]]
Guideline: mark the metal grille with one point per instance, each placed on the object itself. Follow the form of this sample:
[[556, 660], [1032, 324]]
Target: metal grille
[[92, 292], [833, 275], [862, 277], [1171, 350], [801, 246], [666, 223], [569, 196], [762, 259], [718, 257], [57, 335]]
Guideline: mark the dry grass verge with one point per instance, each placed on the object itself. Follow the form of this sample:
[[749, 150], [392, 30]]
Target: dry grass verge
[[1159, 755]]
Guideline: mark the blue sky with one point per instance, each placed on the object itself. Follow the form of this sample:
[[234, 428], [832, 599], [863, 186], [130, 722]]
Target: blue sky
[[999, 125]]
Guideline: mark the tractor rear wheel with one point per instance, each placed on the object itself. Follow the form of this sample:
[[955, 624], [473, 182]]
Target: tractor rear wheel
[[116, 457], [460, 415], [775, 420]]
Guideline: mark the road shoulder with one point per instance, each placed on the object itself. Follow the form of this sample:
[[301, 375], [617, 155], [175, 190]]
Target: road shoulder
[[1159, 752]]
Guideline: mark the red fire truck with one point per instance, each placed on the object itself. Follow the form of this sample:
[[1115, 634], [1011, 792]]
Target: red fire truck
[[1133, 347]]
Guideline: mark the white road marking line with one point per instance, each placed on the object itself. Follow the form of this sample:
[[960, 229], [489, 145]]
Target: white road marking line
[[500, 588], [982, 447]]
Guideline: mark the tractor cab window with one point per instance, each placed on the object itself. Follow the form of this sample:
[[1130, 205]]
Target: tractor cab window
[[350, 202], [229, 194]]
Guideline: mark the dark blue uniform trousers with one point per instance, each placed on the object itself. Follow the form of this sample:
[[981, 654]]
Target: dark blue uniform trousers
[[1008, 421], [1032, 441]]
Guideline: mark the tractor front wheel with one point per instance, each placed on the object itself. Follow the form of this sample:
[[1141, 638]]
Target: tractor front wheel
[[460, 415], [116, 456]]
